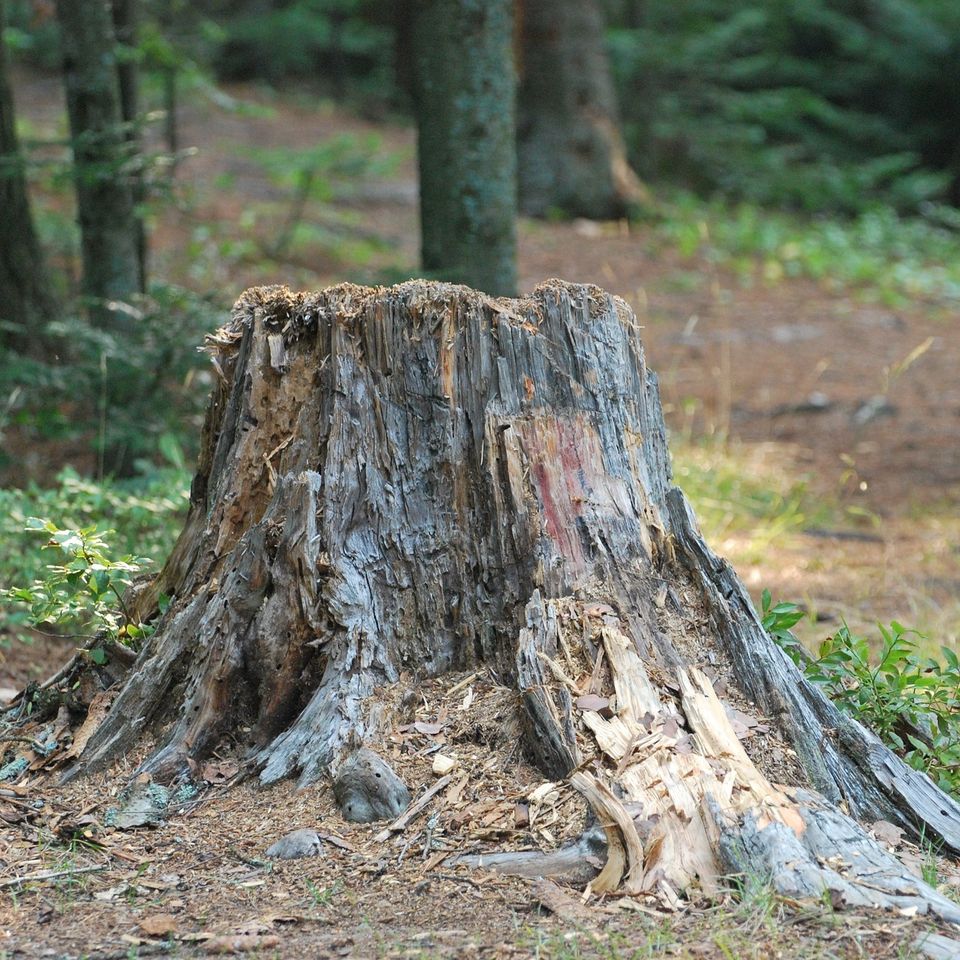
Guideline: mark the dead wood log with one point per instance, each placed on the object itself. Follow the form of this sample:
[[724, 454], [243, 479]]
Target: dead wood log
[[424, 479]]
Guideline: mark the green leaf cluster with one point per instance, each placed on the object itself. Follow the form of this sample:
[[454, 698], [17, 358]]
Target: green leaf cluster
[[145, 512], [910, 701], [83, 590], [891, 258]]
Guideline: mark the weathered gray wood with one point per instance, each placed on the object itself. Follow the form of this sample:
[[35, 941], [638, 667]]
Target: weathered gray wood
[[833, 856], [550, 737], [935, 946], [296, 844], [408, 479], [844, 760], [577, 863]]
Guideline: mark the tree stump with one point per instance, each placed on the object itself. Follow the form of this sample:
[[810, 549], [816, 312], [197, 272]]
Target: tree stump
[[423, 479]]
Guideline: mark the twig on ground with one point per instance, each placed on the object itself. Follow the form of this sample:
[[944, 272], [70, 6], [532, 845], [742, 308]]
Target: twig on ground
[[50, 875], [415, 808]]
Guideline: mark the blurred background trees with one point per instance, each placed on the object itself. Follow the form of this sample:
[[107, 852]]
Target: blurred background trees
[[464, 97], [101, 116], [572, 158], [571, 108], [26, 302]]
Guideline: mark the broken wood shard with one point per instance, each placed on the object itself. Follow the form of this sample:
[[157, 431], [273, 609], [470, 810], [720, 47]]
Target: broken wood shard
[[420, 479]]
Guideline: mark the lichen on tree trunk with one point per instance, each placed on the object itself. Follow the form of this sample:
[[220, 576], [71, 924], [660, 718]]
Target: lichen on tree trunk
[[416, 479]]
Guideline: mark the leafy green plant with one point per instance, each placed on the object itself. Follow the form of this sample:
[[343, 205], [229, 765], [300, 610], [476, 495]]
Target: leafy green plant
[[911, 702], [323, 896], [84, 590], [116, 396], [891, 258], [146, 513], [778, 619]]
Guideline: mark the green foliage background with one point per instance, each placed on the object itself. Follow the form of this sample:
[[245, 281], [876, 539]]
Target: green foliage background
[[820, 105]]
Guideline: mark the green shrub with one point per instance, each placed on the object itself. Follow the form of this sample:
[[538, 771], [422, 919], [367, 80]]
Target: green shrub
[[145, 515], [817, 105], [84, 591], [896, 259], [911, 702], [119, 395]]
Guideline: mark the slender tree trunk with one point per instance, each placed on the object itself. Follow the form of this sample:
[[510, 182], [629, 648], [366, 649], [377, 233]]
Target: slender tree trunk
[[125, 24], [465, 93], [421, 479], [103, 167], [26, 302], [571, 155]]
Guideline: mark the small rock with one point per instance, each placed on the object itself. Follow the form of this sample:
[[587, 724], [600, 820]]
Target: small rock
[[142, 804], [872, 409], [296, 844], [442, 765], [367, 789]]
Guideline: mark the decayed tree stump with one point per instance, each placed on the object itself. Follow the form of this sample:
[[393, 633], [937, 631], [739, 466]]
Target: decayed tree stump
[[423, 478]]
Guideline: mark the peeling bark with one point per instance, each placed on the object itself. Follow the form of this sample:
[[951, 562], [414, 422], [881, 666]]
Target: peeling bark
[[422, 479]]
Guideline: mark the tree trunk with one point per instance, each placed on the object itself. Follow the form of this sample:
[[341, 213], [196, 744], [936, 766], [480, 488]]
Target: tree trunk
[[125, 25], [571, 154], [26, 303], [421, 479], [103, 167], [464, 102]]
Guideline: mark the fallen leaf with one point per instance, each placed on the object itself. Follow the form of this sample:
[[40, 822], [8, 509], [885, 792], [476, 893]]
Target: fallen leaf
[[670, 727], [887, 832], [337, 841], [159, 925], [455, 790], [430, 729], [591, 701], [112, 893], [220, 771]]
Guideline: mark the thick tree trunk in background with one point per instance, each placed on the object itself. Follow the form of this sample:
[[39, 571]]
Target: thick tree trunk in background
[[571, 155], [125, 25], [464, 102], [103, 167], [26, 301], [420, 479]]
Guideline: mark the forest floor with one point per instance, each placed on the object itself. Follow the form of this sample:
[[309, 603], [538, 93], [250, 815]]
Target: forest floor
[[817, 431]]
